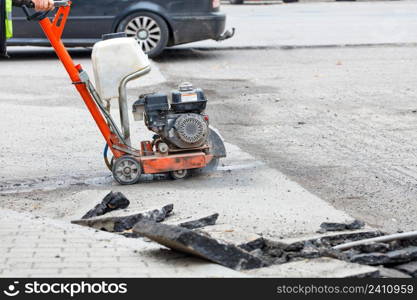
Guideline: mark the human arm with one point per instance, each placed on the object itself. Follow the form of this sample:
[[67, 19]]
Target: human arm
[[40, 5]]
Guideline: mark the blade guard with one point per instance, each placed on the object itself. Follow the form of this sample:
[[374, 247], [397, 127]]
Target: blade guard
[[216, 143]]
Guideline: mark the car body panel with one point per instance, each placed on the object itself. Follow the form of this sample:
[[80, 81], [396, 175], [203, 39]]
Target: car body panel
[[188, 20]]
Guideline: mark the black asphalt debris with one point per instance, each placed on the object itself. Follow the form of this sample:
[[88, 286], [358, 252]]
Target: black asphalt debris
[[202, 222], [372, 259], [112, 201], [156, 215], [374, 247], [125, 222], [393, 257], [409, 268], [253, 245], [327, 226], [198, 244]]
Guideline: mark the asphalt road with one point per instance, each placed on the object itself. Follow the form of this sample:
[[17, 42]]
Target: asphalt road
[[340, 121], [336, 122], [318, 24]]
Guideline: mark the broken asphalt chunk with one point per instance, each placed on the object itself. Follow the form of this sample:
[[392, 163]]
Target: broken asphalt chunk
[[371, 259], [198, 244], [327, 239], [200, 222], [112, 201], [374, 247], [409, 268], [121, 221], [392, 257], [326, 226]]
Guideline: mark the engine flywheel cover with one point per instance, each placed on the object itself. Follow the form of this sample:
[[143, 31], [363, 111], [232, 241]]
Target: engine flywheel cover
[[191, 128]]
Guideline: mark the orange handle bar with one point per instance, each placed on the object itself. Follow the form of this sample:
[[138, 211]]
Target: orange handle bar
[[53, 31]]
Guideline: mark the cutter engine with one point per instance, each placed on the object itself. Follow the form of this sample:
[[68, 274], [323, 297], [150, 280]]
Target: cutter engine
[[179, 122]]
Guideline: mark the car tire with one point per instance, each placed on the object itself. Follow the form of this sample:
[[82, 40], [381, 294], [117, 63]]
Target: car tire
[[236, 1], [149, 29]]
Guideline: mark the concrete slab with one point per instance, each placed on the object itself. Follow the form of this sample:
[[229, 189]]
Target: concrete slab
[[274, 205], [315, 268]]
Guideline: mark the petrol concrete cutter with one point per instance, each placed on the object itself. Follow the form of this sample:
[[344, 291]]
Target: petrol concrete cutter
[[183, 139]]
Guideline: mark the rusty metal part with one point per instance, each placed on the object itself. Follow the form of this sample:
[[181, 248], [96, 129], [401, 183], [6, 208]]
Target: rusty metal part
[[146, 148], [133, 152]]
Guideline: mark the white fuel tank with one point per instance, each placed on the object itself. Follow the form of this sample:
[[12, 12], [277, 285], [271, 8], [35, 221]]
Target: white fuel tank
[[114, 59]]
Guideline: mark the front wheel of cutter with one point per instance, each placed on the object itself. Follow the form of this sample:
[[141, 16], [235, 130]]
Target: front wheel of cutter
[[126, 170]]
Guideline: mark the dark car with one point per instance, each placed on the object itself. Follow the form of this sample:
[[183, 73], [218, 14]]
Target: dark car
[[156, 24]]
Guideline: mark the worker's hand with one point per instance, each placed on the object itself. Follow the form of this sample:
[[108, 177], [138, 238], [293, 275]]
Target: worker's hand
[[43, 5]]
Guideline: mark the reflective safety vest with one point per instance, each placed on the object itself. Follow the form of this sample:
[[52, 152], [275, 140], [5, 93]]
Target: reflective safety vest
[[9, 24]]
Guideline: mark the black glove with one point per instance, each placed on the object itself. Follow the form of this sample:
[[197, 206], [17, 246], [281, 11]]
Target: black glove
[[19, 3]]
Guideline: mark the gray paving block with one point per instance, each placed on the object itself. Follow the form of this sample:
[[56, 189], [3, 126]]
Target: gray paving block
[[111, 253]]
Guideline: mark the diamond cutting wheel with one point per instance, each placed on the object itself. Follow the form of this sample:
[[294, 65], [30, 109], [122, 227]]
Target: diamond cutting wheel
[[126, 170]]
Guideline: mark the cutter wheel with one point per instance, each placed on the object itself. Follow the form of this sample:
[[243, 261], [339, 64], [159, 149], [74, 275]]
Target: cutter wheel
[[126, 170]]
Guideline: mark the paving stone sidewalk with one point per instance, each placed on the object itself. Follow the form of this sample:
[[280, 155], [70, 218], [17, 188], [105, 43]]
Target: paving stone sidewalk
[[40, 247]]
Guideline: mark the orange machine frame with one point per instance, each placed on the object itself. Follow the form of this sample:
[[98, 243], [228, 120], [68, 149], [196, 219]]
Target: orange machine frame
[[150, 164]]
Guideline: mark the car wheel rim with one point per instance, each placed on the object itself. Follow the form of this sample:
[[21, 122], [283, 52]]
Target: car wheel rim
[[146, 31]]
